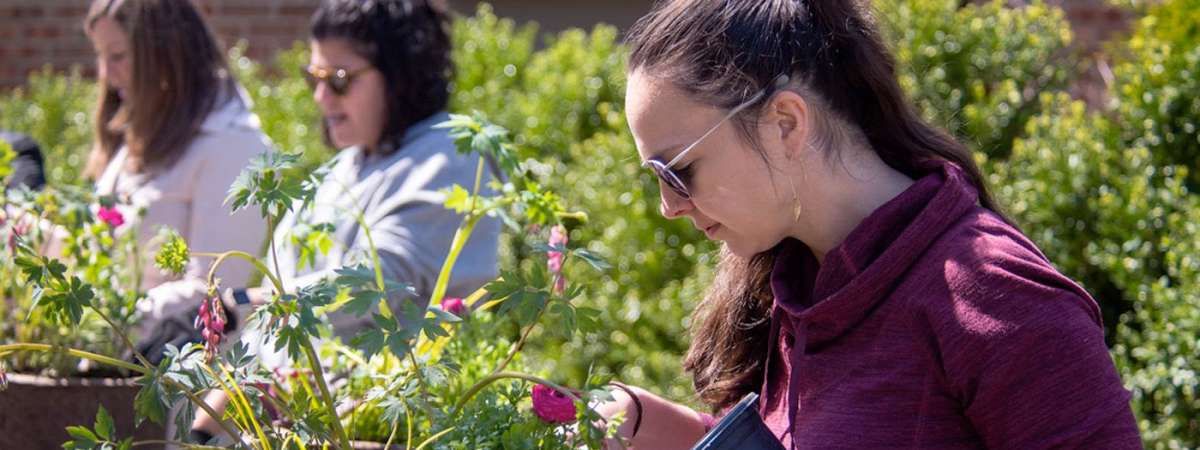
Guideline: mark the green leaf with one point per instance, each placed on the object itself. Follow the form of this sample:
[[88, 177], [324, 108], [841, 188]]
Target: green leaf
[[150, 401], [561, 320], [358, 276], [362, 301], [457, 199], [83, 437], [104, 424], [592, 259], [266, 183]]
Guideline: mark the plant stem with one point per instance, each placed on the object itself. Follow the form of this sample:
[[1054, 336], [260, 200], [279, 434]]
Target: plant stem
[[274, 254], [417, 372], [479, 385], [221, 257], [315, 363], [392, 436], [433, 438], [124, 337], [460, 240], [238, 397], [362, 223], [233, 434], [47, 348], [512, 352]]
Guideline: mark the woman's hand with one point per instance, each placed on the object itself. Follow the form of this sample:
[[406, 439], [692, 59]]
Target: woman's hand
[[664, 424]]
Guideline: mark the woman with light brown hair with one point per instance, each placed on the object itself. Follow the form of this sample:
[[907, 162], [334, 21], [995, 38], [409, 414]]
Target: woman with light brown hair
[[172, 132], [869, 289]]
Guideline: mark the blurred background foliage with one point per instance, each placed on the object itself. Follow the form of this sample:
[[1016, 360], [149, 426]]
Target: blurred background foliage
[[1107, 192]]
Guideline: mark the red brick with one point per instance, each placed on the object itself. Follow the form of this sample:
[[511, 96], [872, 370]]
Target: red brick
[[244, 10], [297, 11], [26, 12], [77, 12]]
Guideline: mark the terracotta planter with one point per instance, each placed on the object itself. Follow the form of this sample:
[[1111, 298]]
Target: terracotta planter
[[35, 410]]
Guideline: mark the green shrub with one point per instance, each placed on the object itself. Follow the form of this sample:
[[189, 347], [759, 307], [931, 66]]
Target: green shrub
[[1157, 90], [56, 111], [968, 69], [1109, 216]]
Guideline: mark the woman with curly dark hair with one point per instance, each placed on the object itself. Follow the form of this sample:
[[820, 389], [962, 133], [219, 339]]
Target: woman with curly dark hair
[[868, 288], [380, 73]]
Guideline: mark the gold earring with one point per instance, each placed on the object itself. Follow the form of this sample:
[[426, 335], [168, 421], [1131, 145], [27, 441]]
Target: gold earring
[[798, 209]]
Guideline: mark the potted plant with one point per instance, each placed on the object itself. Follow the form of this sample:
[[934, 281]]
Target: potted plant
[[49, 390]]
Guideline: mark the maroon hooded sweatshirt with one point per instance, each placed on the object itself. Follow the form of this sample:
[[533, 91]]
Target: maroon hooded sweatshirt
[[936, 324]]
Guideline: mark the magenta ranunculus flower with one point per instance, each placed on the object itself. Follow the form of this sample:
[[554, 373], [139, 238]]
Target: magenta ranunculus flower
[[551, 405], [211, 322], [110, 216], [554, 259], [455, 306]]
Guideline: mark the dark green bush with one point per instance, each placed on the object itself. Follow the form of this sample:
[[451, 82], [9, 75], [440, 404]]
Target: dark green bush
[[978, 69]]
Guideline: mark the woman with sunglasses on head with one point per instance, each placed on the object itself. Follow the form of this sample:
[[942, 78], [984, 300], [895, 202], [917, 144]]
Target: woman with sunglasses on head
[[868, 288], [380, 72], [172, 132]]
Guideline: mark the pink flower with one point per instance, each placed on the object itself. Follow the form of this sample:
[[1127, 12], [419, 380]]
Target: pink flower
[[211, 322], [552, 406], [554, 258], [455, 306], [110, 216]]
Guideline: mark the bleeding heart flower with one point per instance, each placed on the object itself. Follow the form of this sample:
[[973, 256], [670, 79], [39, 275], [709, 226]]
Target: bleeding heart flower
[[455, 306], [552, 406], [110, 216], [211, 322]]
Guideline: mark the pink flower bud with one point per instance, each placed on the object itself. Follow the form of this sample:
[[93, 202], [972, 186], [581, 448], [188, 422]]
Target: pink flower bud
[[110, 216], [455, 306], [552, 406], [211, 321]]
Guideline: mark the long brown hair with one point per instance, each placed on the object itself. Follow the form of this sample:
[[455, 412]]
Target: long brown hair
[[721, 52], [179, 71]]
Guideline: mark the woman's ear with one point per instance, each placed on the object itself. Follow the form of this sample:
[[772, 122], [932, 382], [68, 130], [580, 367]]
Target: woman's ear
[[788, 119]]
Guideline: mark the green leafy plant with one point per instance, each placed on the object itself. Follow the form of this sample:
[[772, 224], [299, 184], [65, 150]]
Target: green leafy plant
[[402, 362], [60, 256]]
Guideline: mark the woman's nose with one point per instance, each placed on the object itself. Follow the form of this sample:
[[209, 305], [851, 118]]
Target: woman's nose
[[322, 94], [673, 205]]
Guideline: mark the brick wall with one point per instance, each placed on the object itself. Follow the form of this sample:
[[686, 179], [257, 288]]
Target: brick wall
[[34, 33]]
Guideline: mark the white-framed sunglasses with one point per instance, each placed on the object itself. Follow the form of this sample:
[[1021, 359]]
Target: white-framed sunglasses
[[664, 171]]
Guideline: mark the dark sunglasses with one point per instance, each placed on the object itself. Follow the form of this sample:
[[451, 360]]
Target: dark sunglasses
[[664, 171], [338, 80]]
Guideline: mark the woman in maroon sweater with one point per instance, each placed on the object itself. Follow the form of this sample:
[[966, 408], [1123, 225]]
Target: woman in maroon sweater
[[868, 288]]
